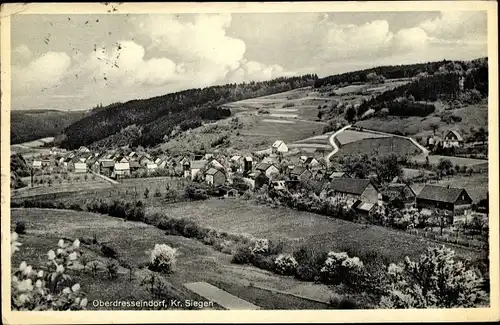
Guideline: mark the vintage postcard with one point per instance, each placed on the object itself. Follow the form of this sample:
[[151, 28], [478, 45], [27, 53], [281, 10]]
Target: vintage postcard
[[249, 162]]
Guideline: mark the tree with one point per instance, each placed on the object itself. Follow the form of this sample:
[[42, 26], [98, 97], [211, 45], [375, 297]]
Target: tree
[[482, 135], [350, 113], [444, 166], [434, 128], [435, 280], [388, 168], [320, 114]]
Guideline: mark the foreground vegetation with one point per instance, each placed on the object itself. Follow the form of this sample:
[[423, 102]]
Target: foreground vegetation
[[332, 268]]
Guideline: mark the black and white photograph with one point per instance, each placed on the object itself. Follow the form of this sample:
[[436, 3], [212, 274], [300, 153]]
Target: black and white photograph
[[250, 160]]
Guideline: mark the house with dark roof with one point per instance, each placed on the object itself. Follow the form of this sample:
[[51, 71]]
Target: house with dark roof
[[310, 162], [215, 177], [363, 208], [453, 139], [260, 179], [300, 173], [106, 167], [144, 160], [267, 169], [451, 200], [338, 175], [398, 191], [319, 174], [196, 166], [134, 166], [354, 188]]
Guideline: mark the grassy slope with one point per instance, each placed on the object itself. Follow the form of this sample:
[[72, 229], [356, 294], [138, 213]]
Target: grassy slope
[[34, 124], [296, 227], [472, 115], [381, 146], [196, 262]]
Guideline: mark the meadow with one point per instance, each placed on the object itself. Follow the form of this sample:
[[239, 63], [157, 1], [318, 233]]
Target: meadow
[[296, 228], [132, 242], [469, 162], [381, 146], [476, 184], [349, 136], [470, 115]]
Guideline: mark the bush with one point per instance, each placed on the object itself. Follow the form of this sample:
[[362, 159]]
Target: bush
[[20, 228], [191, 230], [264, 262], [48, 289], [340, 268], [157, 193], [338, 302], [261, 246], [436, 280], [310, 257], [195, 192], [242, 255], [108, 251], [163, 258], [75, 206], [285, 264], [306, 273]]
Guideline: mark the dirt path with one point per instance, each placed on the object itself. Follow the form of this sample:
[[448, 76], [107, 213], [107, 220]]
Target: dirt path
[[107, 179], [333, 144]]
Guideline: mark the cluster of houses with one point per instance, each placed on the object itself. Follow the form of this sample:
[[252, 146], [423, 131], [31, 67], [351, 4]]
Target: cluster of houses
[[365, 196], [217, 170], [114, 163]]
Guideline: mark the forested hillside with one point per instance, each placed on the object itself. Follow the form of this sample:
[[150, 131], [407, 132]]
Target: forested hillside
[[34, 124], [158, 116], [443, 84], [399, 71]]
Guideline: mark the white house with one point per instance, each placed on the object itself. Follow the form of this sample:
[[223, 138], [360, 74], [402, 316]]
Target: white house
[[453, 139], [83, 149], [37, 164], [122, 169], [151, 167], [279, 146], [80, 167]]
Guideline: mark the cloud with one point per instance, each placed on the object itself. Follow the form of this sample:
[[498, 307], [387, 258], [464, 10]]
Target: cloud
[[204, 38], [125, 65], [205, 53], [347, 41], [457, 25], [255, 71], [411, 39], [22, 53], [45, 71]]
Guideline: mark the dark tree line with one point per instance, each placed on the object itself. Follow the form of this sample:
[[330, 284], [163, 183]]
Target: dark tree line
[[444, 85], [158, 116], [389, 72]]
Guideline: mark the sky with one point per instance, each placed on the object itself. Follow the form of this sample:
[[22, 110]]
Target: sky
[[73, 62]]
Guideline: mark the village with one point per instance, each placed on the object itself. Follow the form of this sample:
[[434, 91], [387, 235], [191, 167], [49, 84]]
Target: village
[[159, 166], [277, 167]]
